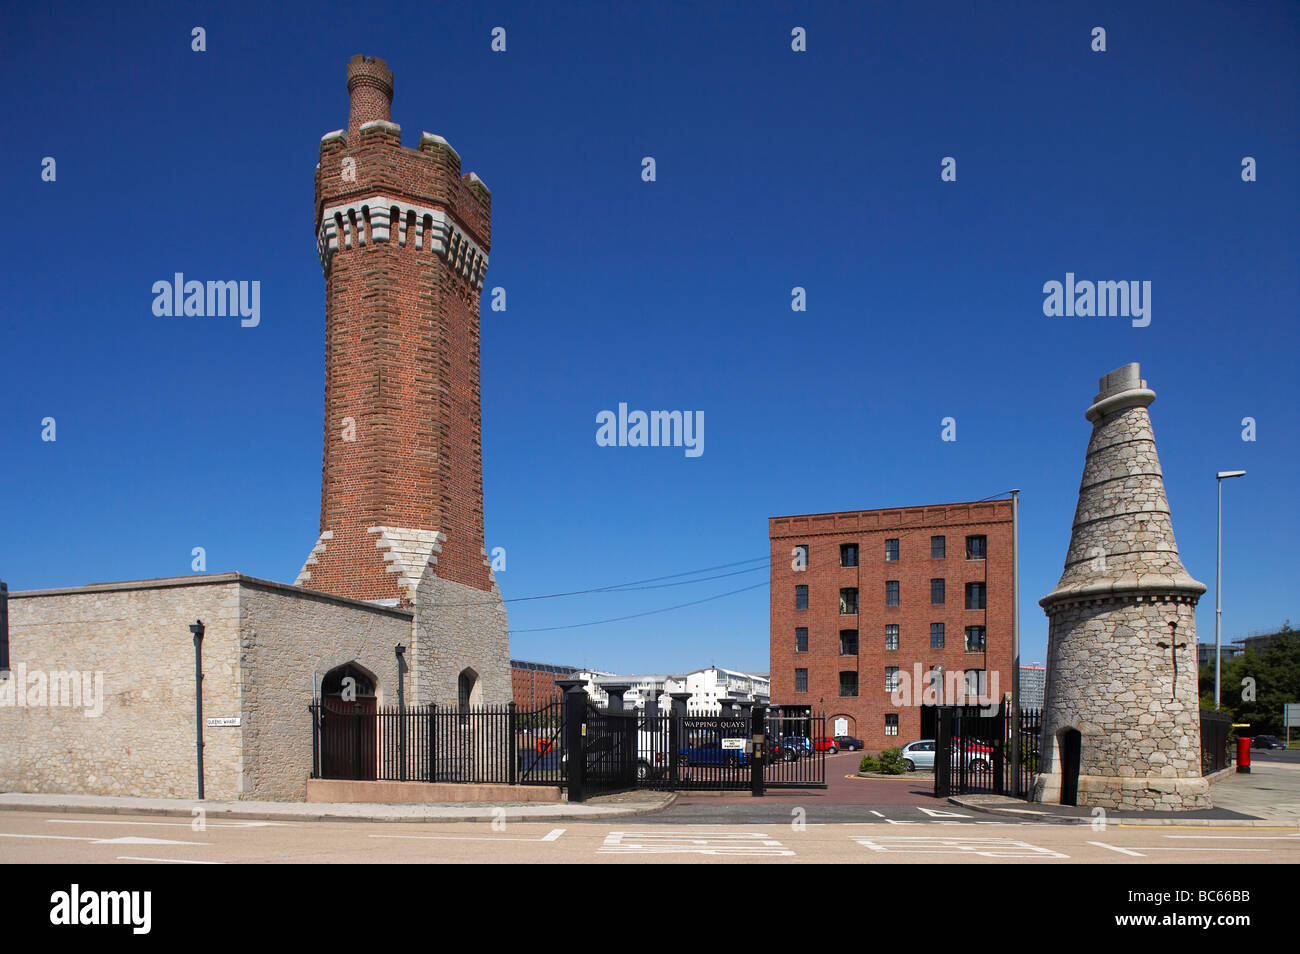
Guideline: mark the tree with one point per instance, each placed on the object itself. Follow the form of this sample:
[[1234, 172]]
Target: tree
[[1271, 677]]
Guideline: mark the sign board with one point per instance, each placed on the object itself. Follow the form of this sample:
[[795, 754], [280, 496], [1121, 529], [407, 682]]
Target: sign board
[[217, 723], [733, 744], [841, 726], [1291, 715]]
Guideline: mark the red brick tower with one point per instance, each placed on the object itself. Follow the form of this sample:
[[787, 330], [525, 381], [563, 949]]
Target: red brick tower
[[403, 240]]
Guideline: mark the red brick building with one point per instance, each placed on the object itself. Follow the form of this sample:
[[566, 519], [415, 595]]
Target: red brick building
[[403, 238], [869, 606], [533, 683]]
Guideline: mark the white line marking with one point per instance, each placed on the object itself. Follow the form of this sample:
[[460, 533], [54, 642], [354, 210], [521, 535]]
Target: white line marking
[[940, 844], [936, 813], [876, 813], [1242, 837], [554, 834], [106, 841], [1122, 851], [161, 824], [170, 861], [660, 842]]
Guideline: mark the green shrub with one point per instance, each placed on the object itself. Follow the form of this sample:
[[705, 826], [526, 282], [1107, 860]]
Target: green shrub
[[888, 762]]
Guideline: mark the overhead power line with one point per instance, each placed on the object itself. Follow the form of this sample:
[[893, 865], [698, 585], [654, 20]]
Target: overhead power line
[[631, 586], [616, 619]]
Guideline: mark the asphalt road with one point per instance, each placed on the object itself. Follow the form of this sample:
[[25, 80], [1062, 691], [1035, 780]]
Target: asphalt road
[[35, 837]]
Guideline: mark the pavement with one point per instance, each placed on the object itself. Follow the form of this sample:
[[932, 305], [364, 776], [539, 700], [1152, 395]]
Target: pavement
[[1266, 797], [596, 809]]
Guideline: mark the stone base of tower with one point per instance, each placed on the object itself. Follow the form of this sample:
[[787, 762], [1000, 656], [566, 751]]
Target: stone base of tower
[[1150, 793], [460, 630]]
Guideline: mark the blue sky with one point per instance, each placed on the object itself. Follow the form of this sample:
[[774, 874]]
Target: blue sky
[[775, 169]]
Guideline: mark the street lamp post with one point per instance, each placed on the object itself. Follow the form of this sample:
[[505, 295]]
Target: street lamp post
[[1218, 580]]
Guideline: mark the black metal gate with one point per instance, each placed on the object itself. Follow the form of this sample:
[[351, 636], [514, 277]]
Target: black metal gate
[[609, 746], [973, 751]]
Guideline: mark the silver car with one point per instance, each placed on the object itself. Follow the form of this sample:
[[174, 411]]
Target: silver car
[[919, 755]]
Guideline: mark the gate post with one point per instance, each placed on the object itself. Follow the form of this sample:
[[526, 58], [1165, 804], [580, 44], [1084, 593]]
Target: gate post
[[575, 749], [758, 729], [512, 746], [676, 729], [943, 753], [614, 691]]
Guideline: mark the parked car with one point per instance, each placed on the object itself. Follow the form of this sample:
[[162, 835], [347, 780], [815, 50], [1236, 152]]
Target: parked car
[[824, 744], [800, 743], [712, 753], [1267, 742], [919, 755], [651, 754], [848, 742], [776, 752]]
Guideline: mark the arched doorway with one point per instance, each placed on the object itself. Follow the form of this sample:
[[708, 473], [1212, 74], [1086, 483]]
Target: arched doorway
[[469, 691], [349, 724], [1070, 745]]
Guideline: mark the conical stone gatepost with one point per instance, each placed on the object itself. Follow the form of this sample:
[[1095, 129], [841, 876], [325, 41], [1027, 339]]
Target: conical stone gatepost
[[1121, 717]]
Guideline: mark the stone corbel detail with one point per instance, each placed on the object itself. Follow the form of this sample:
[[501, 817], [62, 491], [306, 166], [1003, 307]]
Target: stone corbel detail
[[408, 553], [344, 226], [313, 558]]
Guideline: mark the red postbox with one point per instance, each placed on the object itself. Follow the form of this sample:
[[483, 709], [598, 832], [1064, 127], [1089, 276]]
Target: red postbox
[[1243, 754]]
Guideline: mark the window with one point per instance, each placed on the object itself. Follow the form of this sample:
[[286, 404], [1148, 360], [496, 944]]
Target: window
[[848, 642], [801, 639], [977, 684], [801, 597], [938, 548], [891, 636], [849, 601], [937, 591], [934, 685], [976, 547], [799, 557], [848, 683], [975, 595], [936, 635], [801, 680], [891, 678], [891, 592], [974, 639], [891, 550], [891, 723], [848, 554]]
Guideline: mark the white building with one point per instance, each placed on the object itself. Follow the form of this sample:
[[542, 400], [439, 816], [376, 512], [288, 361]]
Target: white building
[[706, 687]]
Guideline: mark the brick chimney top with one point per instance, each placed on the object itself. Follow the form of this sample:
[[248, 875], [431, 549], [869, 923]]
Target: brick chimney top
[[370, 85]]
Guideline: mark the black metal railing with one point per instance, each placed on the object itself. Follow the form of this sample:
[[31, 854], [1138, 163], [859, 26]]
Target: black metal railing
[[1215, 750], [351, 740], [620, 749]]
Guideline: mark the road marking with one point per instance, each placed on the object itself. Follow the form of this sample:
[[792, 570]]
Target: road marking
[[161, 824], [877, 814], [938, 844], [936, 813], [170, 861], [660, 842], [107, 841], [1242, 837], [1122, 851], [552, 835]]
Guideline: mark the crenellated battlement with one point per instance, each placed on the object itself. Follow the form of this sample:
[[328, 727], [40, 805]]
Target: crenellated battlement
[[379, 218]]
